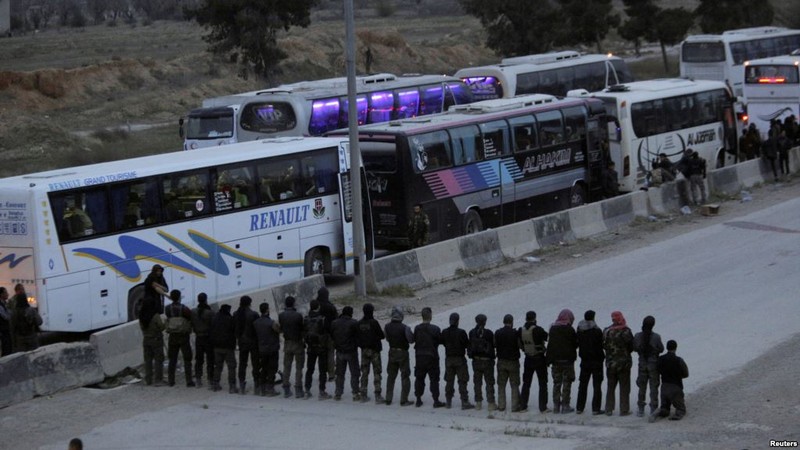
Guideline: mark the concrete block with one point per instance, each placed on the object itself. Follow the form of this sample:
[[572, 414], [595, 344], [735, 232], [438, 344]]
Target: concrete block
[[118, 347], [724, 181], [749, 173], [517, 239], [303, 290], [15, 380], [481, 250], [587, 220], [398, 269], [618, 210], [553, 228], [62, 366], [639, 202], [439, 261]]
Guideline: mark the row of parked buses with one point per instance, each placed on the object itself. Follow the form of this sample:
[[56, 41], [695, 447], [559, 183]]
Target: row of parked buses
[[276, 204]]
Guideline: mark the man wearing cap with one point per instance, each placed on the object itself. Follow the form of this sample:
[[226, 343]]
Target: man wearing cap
[[673, 370], [481, 350], [427, 338], [179, 327], [506, 341], [456, 343], [155, 286], [399, 337], [370, 336]]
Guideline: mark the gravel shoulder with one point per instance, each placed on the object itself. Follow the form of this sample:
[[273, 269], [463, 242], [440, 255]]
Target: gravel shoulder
[[745, 410]]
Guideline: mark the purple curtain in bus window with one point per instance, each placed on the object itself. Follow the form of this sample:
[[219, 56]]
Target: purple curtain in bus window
[[407, 104], [432, 100], [324, 116], [484, 88], [381, 105], [344, 111]]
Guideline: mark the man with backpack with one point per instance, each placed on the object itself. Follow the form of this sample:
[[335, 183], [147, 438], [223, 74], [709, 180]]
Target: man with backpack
[[370, 336], [317, 339], [481, 350], [179, 327], [533, 338]]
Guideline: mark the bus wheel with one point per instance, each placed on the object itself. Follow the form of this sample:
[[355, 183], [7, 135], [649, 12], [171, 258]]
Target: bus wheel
[[576, 196], [472, 222], [135, 297], [314, 262]]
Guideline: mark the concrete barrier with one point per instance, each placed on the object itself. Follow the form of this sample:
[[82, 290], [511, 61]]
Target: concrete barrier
[[553, 228], [517, 239], [587, 220], [398, 269], [440, 261], [119, 347], [481, 250], [16, 384], [62, 366]]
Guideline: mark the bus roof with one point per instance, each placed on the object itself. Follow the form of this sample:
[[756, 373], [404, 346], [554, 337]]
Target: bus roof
[[486, 110], [650, 89], [128, 169], [534, 63], [742, 34]]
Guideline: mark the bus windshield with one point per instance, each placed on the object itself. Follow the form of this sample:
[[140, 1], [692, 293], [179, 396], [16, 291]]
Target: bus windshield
[[217, 123]]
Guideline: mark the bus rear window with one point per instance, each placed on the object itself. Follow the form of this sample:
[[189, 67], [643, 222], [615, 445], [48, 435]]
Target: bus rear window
[[210, 125], [379, 156], [268, 117], [703, 52], [484, 88], [771, 74]]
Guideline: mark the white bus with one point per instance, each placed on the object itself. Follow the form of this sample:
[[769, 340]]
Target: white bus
[[311, 108], [82, 240], [668, 116], [549, 73], [772, 90], [720, 56]]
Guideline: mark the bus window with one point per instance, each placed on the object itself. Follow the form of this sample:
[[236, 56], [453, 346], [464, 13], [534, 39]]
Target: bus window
[[234, 188], [324, 116], [709, 52], [528, 83], [575, 120], [381, 105], [185, 196], [565, 77], [548, 82], [524, 131], [268, 117], [467, 145], [495, 138], [135, 204], [622, 71], [344, 111], [379, 156], [278, 180], [460, 92], [431, 99], [407, 103], [738, 52], [430, 151], [71, 212], [551, 128]]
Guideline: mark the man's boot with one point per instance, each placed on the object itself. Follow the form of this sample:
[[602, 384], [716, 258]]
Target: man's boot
[[199, 382], [242, 387], [478, 405], [298, 392], [492, 406], [379, 400], [449, 402], [640, 412], [466, 405], [232, 389], [287, 392]]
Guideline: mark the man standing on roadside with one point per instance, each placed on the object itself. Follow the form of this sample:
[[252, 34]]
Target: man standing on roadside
[[268, 335], [418, 227], [202, 316], [590, 349], [427, 338], [648, 345], [317, 338], [561, 354], [344, 331], [399, 337], [481, 350], [223, 338], [243, 320], [370, 336], [506, 341], [673, 370], [291, 325], [5, 324], [179, 328], [331, 314], [533, 339], [456, 343], [618, 344]]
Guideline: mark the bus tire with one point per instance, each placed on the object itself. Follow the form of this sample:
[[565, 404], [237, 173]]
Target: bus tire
[[315, 262], [577, 196], [472, 222], [135, 297]]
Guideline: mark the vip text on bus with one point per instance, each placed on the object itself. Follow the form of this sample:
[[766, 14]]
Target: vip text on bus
[[82, 240]]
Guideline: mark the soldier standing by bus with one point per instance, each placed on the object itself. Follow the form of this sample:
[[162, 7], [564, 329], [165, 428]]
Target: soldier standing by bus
[[418, 227]]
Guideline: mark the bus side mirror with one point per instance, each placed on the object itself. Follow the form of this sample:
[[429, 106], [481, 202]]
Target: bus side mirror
[[180, 127]]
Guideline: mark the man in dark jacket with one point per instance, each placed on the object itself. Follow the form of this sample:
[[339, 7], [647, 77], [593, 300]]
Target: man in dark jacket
[[533, 338], [506, 341], [5, 324], [561, 355], [399, 338], [590, 349], [269, 345], [223, 339], [25, 322], [648, 345], [294, 350], [344, 331], [456, 343], [243, 320], [673, 370], [179, 338], [618, 344], [155, 286], [317, 338], [330, 312], [427, 338], [202, 316], [370, 336], [481, 350]]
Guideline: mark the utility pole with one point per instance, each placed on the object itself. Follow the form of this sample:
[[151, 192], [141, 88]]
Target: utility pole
[[359, 253]]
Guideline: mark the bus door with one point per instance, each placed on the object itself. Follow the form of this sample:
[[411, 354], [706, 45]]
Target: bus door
[[346, 206], [597, 139], [730, 133]]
